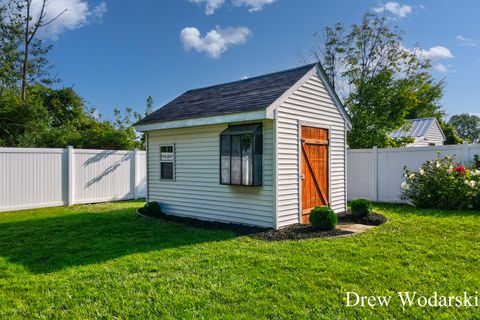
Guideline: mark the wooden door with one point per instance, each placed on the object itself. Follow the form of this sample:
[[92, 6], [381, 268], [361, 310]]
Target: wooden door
[[314, 144]]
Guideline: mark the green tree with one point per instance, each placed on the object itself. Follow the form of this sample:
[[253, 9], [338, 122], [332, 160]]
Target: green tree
[[58, 118], [377, 108], [467, 126], [9, 43], [41, 116], [22, 53], [382, 82], [104, 135], [22, 123], [149, 109], [149, 105], [34, 52]]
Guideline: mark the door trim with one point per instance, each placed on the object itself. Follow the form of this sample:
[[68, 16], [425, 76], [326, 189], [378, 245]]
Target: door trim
[[329, 171]]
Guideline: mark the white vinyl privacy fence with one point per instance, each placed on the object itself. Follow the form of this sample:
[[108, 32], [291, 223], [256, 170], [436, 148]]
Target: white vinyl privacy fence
[[377, 174], [36, 178]]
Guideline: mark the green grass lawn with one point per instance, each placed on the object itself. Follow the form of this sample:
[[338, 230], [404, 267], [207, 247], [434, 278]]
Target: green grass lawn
[[101, 261]]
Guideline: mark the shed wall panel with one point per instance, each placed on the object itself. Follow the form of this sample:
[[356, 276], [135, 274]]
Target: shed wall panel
[[196, 191], [309, 103], [435, 135]]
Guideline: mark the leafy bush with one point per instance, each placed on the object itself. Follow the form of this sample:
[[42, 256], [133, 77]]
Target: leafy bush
[[361, 207], [443, 184], [323, 218], [151, 209], [476, 204], [476, 160]]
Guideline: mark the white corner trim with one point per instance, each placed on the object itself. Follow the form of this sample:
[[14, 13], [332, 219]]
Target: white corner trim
[[226, 118], [275, 168]]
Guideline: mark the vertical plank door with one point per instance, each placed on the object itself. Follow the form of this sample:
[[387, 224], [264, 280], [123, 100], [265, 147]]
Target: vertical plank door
[[314, 144]]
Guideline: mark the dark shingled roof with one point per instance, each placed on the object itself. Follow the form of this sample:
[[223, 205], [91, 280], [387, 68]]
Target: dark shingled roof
[[240, 96]]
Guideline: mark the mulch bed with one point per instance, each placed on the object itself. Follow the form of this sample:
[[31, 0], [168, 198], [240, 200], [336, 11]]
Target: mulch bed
[[373, 219], [238, 229], [293, 232], [305, 231], [297, 232]]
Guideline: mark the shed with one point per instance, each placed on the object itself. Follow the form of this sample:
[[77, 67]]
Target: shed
[[261, 151], [425, 131]]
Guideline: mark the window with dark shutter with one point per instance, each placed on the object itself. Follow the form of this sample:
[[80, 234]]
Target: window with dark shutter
[[241, 152]]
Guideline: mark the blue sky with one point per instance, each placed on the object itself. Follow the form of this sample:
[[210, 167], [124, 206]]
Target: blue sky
[[116, 53]]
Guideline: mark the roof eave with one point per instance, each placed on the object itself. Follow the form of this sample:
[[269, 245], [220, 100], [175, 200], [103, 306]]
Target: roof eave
[[203, 121]]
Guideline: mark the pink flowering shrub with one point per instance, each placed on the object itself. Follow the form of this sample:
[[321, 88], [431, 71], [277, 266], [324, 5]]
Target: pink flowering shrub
[[443, 184]]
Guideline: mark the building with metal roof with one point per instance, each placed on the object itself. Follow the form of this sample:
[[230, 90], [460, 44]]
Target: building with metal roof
[[426, 132]]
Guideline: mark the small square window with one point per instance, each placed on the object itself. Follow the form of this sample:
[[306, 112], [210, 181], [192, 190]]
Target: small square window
[[167, 162]]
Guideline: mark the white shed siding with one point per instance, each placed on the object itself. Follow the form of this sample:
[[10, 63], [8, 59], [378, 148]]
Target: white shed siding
[[310, 103], [196, 191], [419, 142], [435, 135]]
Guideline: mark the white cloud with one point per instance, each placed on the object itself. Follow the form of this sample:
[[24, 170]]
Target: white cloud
[[394, 8], [440, 67], [210, 5], [253, 5], [213, 5], [216, 41], [466, 41], [76, 15], [99, 10], [434, 53]]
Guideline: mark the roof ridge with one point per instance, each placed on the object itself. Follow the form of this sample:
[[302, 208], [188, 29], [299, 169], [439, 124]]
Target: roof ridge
[[423, 118], [311, 65], [251, 94]]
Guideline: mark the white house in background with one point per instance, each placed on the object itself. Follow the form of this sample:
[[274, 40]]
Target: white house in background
[[426, 132], [262, 151]]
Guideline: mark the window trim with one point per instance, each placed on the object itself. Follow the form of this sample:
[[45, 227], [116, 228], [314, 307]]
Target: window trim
[[172, 162], [241, 161]]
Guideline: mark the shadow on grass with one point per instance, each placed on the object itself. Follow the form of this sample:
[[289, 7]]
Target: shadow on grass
[[51, 244], [404, 209]]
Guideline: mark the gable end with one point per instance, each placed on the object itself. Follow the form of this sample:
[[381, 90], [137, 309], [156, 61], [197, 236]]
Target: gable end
[[316, 69]]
